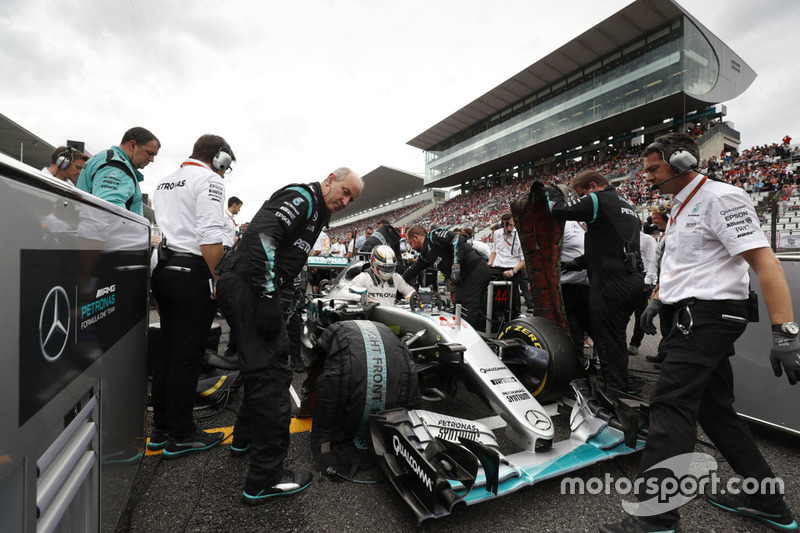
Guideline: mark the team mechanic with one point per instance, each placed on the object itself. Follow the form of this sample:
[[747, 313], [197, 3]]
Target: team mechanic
[[614, 263], [450, 253], [189, 211], [267, 258], [712, 238]]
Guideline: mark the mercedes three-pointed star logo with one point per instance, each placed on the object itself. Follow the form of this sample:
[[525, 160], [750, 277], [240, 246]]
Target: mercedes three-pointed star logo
[[539, 420], [54, 324]]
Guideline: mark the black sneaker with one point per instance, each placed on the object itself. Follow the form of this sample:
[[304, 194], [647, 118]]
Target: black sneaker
[[740, 504], [291, 482], [239, 447], [196, 442], [633, 350], [634, 524], [157, 440], [655, 358]]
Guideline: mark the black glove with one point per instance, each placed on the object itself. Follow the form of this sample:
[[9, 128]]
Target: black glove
[[269, 315], [553, 193], [455, 273], [785, 355], [650, 312], [570, 266]]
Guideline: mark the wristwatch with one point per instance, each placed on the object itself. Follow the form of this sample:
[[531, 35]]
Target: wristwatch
[[787, 328]]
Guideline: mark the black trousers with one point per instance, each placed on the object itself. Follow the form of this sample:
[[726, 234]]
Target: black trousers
[[641, 305], [576, 308], [265, 413], [471, 292], [181, 288], [696, 385], [612, 301]]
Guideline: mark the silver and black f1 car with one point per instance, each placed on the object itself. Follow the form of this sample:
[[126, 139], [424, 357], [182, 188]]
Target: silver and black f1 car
[[437, 462]]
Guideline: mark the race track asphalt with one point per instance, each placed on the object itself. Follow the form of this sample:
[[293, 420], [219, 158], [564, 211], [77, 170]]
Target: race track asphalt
[[202, 492]]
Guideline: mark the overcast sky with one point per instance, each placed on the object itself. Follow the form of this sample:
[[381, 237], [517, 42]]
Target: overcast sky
[[299, 88]]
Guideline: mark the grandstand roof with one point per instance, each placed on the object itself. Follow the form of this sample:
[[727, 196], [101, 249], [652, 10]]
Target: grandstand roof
[[382, 185], [638, 18], [22, 145]]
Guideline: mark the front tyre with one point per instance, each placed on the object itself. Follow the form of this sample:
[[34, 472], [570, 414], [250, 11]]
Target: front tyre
[[546, 363]]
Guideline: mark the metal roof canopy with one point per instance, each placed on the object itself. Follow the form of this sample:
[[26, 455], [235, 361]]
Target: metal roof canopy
[[382, 185], [635, 20], [22, 145]]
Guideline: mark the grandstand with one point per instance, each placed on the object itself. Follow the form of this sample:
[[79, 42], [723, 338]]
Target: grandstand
[[649, 69]]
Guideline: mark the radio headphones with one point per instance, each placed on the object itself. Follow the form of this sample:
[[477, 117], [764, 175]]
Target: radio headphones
[[680, 159], [223, 159], [65, 158]]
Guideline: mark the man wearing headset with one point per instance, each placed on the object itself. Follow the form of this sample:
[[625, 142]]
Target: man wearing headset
[[113, 174], [189, 207], [66, 164], [711, 240], [267, 259]]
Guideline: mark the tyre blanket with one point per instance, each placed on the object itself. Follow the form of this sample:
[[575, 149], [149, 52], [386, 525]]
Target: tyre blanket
[[541, 235], [367, 369]]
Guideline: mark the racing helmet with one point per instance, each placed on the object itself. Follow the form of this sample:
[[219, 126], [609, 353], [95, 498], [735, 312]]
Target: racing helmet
[[383, 261]]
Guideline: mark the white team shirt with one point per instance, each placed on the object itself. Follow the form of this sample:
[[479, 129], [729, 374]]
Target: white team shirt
[[571, 248], [188, 207], [46, 172], [648, 245], [483, 249], [702, 244], [338, 249], [382, 292], [322, 244], [230, 230], [508, 250]]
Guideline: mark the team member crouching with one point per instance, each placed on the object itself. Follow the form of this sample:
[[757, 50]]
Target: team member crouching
[[381, 281]]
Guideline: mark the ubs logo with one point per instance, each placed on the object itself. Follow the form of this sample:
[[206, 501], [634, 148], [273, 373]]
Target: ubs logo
[[54, 320]]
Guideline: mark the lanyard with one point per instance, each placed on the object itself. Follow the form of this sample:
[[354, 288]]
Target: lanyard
[[686, 202], [192, 163]]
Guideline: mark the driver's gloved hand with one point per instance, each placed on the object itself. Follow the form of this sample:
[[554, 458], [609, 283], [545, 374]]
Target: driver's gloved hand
[[785, 355]]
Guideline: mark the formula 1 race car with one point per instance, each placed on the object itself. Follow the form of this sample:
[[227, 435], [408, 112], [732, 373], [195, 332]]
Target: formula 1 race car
[[436, 461]]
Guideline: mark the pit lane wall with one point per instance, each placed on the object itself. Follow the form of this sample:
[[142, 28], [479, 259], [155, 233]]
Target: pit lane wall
[[74, 326], [760, 396]]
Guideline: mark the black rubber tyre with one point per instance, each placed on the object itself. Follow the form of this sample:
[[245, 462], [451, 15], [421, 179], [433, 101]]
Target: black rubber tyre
[[562, 367]]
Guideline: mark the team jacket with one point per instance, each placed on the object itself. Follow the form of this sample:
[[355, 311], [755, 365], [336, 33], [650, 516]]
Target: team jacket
[[276, 245], [110, 175], [612, 238], [442, 248]]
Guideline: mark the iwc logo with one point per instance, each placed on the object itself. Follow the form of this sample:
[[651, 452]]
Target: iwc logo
[[54, 324]]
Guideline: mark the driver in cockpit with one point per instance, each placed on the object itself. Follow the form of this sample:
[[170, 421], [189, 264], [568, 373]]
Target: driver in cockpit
[[381, 280]]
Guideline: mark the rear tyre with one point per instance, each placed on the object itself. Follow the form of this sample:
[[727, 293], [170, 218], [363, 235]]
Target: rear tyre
[[562, 367]]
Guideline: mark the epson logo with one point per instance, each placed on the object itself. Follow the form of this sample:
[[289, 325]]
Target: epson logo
[[105, 290]]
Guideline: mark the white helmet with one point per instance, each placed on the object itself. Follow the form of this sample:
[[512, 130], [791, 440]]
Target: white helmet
[[383, 261]]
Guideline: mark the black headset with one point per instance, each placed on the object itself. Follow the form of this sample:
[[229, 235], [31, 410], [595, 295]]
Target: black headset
[[680, 159], [65, 158], [222, 160]]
